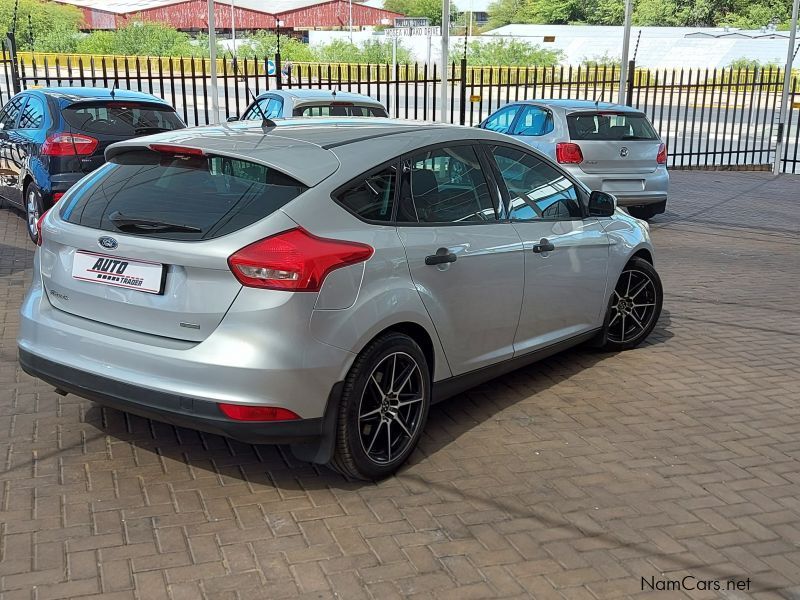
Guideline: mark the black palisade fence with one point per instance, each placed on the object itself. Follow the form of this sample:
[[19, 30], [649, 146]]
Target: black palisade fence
[[709, 118]]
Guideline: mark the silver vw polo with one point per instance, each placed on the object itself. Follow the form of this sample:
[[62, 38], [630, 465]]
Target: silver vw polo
[[609, 147], [322, 283]]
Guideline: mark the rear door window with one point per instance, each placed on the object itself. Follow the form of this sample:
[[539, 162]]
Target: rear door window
[[447, 185], [605, 126], [177, 197], [501, 120], [32, 116], [123, 119], [534, 121]]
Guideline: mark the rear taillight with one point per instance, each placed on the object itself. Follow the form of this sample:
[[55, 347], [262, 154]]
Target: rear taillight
[[243, 412], [57, 196], [39, 229], [69, 144], [661, 159], [294, 260], [568, 153]]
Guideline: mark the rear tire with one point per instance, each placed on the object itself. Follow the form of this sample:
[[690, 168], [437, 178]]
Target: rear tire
[[384, 407], [634, 308], [34, 208]]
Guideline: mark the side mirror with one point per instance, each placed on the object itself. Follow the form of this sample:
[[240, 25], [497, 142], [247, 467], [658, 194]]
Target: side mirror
[[602, 204], [232, 119]]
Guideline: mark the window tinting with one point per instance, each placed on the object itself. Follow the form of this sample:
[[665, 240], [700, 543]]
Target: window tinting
[[446, 185], [339, 110], [536, 190], [534, 121], [501, 120], [125, 119], [214, 195], [8, 116], [610, 126], [371, 198], [33, 115]]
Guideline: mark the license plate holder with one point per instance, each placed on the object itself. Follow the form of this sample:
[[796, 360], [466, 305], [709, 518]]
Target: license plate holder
[[116, 271]]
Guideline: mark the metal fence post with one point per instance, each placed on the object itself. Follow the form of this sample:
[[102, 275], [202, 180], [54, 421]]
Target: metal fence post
[[11, 45], [631, 82], [278, 73], [462, 112]]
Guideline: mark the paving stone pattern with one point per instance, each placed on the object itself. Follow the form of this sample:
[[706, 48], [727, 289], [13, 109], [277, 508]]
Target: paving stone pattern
[[572, 479]]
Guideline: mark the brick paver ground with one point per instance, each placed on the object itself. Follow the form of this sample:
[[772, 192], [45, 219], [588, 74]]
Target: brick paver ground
[[574, 478]]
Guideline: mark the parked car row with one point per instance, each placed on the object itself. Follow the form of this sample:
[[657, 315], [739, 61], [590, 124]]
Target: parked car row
[[322, 282]]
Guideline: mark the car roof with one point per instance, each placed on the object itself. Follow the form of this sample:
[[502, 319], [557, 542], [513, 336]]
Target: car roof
[[320, 95], [575, 105], [74, 94], [312, 149]]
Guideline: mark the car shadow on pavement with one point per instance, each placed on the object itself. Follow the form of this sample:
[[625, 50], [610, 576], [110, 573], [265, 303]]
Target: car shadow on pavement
[[276, 467]]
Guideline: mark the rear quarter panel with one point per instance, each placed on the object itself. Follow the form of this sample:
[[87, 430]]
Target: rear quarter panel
[[383, 294]]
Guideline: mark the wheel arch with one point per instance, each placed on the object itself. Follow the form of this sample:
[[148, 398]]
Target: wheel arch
[[417, 333], [644, 254]]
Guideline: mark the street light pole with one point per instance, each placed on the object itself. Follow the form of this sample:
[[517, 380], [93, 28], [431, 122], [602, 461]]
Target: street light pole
[[787, 81], [233, 26], [212, 55], [445, 59], [626, 47], [351, 21]]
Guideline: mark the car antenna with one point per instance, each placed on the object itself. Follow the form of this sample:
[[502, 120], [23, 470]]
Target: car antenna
[[113, 87], [265, 121]]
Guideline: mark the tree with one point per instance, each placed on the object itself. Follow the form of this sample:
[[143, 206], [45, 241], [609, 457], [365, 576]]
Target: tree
[[750, 14], [432, 9], [48, 19]]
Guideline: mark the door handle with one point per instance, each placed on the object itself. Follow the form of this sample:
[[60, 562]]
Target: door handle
[[443, 256], [544, 245]]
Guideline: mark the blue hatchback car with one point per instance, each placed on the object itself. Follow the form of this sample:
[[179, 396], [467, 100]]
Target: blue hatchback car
[[51, 137]]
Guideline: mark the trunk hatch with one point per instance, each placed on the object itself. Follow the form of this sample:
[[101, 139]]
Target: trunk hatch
[[165, 209], [614, 142]]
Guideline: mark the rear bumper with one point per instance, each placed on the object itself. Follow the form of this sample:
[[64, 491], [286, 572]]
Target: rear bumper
[[629, 189], [183, 411]]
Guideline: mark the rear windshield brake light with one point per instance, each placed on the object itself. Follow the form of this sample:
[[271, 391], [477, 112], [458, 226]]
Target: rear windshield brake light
[[176, 150]]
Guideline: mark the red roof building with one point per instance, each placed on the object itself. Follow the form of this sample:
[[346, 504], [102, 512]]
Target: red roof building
[[250, 14]]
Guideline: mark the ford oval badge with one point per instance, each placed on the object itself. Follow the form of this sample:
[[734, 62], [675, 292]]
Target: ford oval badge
[[107, 242]]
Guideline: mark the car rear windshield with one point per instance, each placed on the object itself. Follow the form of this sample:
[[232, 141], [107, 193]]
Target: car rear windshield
[[178, 197], [123, 119], [340, 110], [606, 126]]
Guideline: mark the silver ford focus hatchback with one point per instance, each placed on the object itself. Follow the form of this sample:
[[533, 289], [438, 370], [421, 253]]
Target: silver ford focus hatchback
[[322, 283]]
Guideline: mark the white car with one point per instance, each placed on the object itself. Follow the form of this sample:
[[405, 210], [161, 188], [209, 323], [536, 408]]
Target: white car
[[285, 104]]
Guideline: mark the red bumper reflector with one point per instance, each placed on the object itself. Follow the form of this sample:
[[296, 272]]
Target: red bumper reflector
[[57, 196], [243, 412]]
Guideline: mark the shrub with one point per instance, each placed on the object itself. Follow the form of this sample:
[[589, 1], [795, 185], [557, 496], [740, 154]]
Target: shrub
[[511, 53]]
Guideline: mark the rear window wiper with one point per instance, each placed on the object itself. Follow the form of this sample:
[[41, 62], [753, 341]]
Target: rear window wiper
[[151, 129], [134, 224]]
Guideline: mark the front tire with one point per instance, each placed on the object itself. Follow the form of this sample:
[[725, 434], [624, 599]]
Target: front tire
[[634, 307], [384, 408], [33, 210]]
